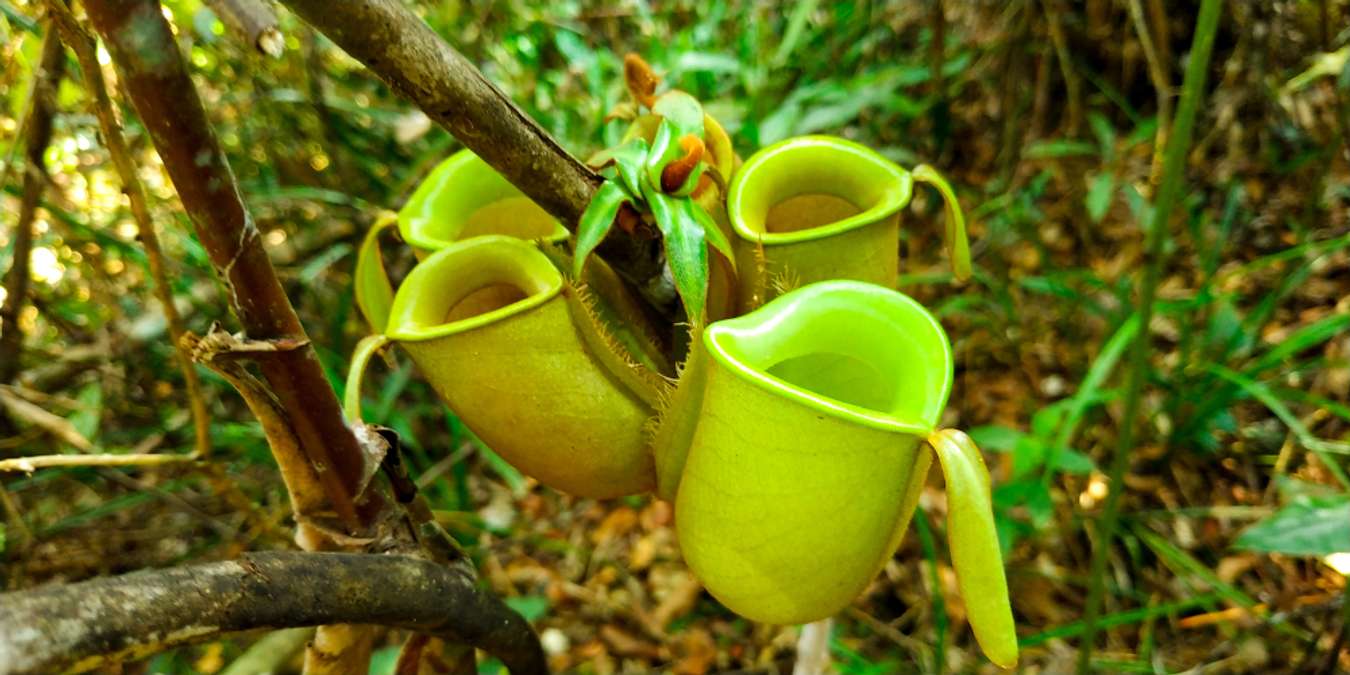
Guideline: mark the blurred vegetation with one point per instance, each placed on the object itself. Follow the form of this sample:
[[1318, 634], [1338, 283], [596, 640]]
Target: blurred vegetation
[[1235, 534]]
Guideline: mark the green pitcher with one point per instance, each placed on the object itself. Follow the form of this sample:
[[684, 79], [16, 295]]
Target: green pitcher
[[465, 197], [793, 450], [816, 208], [522, 357]]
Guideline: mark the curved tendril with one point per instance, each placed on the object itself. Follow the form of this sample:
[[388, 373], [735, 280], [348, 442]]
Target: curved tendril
[[958, 245], [374, 293], [356, 372]]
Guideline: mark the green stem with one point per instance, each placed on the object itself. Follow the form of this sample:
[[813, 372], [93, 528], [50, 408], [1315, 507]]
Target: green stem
[[1174, 165]]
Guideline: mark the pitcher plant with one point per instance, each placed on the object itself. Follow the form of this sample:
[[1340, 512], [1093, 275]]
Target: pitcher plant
[[798, 436]]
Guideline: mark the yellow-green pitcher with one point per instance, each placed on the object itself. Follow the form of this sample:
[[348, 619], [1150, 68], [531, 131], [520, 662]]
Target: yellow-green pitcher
[[520, 355], [793, 450], [816, 208]]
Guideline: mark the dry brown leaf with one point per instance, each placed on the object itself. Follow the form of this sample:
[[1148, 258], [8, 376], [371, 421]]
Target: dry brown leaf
[[623, 643], [679, 600]]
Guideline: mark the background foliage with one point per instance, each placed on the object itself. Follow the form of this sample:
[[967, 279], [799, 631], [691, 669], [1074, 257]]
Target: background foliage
[[1043, 114]]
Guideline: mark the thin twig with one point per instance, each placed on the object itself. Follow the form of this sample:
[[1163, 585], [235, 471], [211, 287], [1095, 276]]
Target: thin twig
[[83, 46], [1158, 74], [31, 464], [1174, 169], [36, 134], [1071, 85]]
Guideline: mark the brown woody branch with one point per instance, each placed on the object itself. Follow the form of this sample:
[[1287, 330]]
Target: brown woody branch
[[37, 133], [83, 626], [415, 62], [254, 20], [155, 78]]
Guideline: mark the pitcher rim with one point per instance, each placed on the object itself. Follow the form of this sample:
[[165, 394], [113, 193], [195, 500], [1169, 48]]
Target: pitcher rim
[[412, 225], [839, 409], [895, 196], [401, 308]]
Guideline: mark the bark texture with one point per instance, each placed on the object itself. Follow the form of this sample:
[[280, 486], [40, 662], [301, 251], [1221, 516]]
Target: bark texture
[[254, 20], [155, 78], [83, 626]]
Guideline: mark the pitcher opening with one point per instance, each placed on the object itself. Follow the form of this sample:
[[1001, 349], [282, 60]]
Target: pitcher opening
[[855, 350], [465, 197], [472, 283], [804, 212], [516, 217], [813, 186]]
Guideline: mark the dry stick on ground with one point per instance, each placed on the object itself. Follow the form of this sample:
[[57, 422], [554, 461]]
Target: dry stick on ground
[[254, 20], [99, 622], [1158, 74], [415, 62], [37, 133], [83, 46]]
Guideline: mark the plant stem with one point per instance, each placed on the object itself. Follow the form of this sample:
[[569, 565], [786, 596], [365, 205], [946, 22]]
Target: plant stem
[[31, 464], [1158, 75], [1174, 165], [155, 78]]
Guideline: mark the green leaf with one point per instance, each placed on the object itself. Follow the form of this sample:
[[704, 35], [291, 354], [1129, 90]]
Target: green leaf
[[1101, 188], [597, 221], [686, 249], [1028, 454], [532, 607], [996, 438], [384, 661], [628, 160], [664, 149], [1073, 461], [1306, 337], [1105, 133], [716, 238], [86, 419], [1302, 528], [1057, 149]]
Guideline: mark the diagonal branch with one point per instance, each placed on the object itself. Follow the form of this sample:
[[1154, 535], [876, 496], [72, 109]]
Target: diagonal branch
[[155, 79], [95, 623], [395, 44]]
